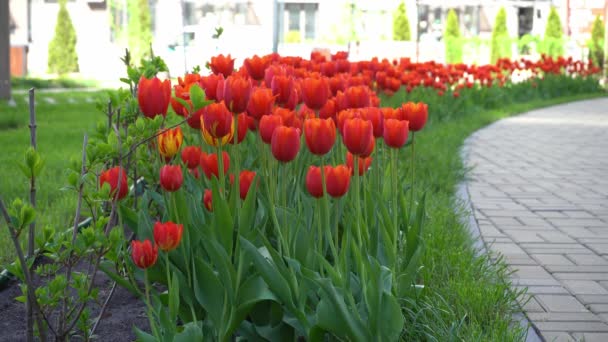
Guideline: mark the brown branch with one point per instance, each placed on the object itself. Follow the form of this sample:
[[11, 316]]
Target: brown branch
[[32, 231]]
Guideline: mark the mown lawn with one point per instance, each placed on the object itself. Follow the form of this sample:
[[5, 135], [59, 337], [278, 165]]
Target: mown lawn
[[62, 122]]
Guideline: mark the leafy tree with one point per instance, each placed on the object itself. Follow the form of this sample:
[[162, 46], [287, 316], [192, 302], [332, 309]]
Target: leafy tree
[[401, 24], [596, 43], [139, 28], [453, 43], [501, 43], [62, 48], [553, 44]]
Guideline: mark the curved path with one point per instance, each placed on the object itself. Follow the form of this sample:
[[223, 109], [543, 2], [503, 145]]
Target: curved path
[[539, 190]]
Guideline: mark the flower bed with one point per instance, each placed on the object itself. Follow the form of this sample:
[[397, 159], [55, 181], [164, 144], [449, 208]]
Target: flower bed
[[309, 225]]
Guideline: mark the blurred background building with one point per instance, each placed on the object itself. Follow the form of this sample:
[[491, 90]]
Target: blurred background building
[[182, 29]]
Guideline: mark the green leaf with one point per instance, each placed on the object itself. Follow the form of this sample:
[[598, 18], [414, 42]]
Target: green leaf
[[251, 292], [174, 298], [198, 98], [106, 266], [391, 319], [222, 219], [247, 213], [184, 103], [143, 336], [414, 234], [209, 291], [191, 332]]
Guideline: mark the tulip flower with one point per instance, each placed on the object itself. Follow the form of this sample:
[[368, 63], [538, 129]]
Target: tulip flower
[[337, 180], [217, 120], [282, 87], [364, 164], [209, 164], [210, 85], [268, 124], [236, 93], [314, 183], [416, 114], [153, 96], [357, 135], [260, 103], [357, 97], [191, 156], [242, 123], [256, 66], [171, 177], [315, 92], [285, 143], [111, 177], [167, 235], [143, 253], [245, 179], [221, 64], [376, 116], [169, 142], [208, 199], [395, 133], [320, 135]]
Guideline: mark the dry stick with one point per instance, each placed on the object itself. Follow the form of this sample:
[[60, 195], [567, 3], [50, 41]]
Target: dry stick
[[30, 243], [68, 272], [31, 296]]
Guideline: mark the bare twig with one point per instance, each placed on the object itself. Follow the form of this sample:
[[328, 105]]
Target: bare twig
[[30, 245], [103, 310]]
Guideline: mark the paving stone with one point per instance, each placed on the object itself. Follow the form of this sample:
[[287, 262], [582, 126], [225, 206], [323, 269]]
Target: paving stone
[[587, 259], [578, 269], [585, 287], [580, 276], [599, 308], [523, 236], [572, 326], [599, 248], [591, 337], [531, 272], [552, 259], [531, 306], [507, 249], [557, 303], [557, 337], [538, 290], [562, 316], [591, 299]]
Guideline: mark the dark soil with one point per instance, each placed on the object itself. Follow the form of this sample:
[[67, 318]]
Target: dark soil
[[122, 313]]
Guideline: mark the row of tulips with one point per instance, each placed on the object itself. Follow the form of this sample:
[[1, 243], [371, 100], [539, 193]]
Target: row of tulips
[[271, 240]]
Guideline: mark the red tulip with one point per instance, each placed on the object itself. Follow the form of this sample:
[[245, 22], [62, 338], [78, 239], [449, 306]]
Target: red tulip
[[171, 177], [260, 103], [357, 135], [314, 183], [217, 120], [245, 179], [357, 97], [315, 92], [376, 117], [153, 96], [416, 114], [242, 124], [209, 164], [328, 110], [236, 93], [337, 180], [287, 115], [256, 66], [320, 135], [221, 64], [268, 124], [364, 163], [191, 156], [282, 87], [194, 120], [395, 133], [168, 235], [169, 142], [143, 253], [285, 143], [208, 199], [111, 177], [210, 85]]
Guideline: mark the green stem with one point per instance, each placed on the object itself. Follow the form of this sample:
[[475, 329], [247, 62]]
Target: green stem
[[220, 163], [326, 226], [395, 199], [149, 305], [357, 201], [412, 166]]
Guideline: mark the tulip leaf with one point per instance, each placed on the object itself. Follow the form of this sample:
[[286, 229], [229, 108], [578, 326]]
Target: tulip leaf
[[198, 97], [174, 298], [184, 103], [225, 269], [247, 213], [209, 291], [390, 318], [222, 219], [143, 336], [191, 332], [414, 233]]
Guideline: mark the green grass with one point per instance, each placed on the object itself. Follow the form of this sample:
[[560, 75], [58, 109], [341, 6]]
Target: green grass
[[44, 83], [60, 131], [467, 297]]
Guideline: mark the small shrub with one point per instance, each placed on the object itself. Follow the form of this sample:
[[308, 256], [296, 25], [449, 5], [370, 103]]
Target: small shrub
[[553, 43], [401, 24], [596, 43], [62, 49], [501, 43], [453, 42]]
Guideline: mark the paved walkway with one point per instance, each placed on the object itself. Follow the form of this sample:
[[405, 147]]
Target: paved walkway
[[539, 189]]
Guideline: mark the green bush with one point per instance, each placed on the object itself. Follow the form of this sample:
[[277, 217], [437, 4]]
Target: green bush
[[501, 43], [62, 48], [401, 24], [596, 43], [139, 28], [553, 42], [453, 43]]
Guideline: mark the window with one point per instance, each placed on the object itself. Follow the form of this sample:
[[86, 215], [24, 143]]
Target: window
[[310, 22], [301, 19]]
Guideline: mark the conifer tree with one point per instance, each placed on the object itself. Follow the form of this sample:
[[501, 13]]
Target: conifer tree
[[139, 28], [453, 43], [62, 48], [553, 44], [401, 24], [501, 43], [596, 43]]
